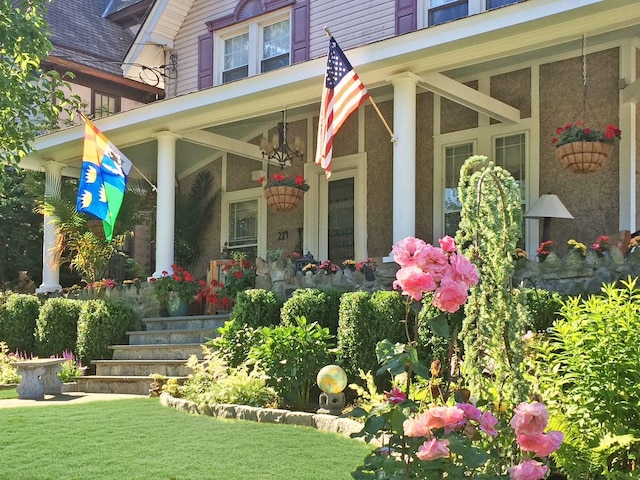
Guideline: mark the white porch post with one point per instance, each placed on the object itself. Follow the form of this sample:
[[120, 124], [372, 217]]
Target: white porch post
[[165, 205], [627, 154], [404, 156], [50, 262]]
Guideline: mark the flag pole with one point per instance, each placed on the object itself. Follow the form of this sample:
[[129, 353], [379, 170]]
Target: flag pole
[[153, 187], [394, 139]]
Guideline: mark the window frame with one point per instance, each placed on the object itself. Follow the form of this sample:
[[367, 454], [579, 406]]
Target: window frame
[[254, 27], [474, 6], [94, 109], [229, 198]]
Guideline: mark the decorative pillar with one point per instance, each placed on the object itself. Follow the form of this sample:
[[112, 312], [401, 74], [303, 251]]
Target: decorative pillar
[[50, 259], [404, 156], [628, 162], [166, 201]]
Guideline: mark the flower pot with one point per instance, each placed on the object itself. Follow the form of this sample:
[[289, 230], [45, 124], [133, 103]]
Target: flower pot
[[584, 157], [283, 197], [176, 306]]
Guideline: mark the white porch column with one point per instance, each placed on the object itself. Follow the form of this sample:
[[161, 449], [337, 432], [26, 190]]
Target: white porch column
[[404, 156], [628, 163], [166, 199], [50, 261]]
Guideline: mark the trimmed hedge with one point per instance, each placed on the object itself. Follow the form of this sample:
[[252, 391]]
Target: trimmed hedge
[[316, 305], [256, 307], [366, 319], [18, 316], [103, 323], [57, 326]]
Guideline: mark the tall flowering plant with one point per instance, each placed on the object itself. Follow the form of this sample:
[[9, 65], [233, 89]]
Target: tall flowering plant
[[443, 436]]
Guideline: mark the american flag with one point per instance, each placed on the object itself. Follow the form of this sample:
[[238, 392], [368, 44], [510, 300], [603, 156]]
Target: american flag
[[342, 94]]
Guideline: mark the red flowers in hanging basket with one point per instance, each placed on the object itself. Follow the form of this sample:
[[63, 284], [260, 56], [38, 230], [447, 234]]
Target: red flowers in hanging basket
[[582, 149], [284, 193]]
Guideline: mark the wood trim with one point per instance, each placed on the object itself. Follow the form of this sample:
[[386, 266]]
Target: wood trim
[[205, 61], [406, 16], [228, 20]]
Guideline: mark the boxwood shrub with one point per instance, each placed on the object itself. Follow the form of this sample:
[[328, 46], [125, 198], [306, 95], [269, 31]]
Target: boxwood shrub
[[366, 319], [103, 323], [18, 316], [256, 308], [57, 326], [316, 305]]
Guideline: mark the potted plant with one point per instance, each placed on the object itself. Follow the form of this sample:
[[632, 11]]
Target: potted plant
[[284, 193], [582, 149], [177, 290]]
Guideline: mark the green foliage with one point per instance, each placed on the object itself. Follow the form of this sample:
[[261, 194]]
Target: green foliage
[[18, 316], [213, 381], [257, 308], [32, 100], [234, 341], [103, 323], [317, 305], [543, 307], [292, 355], [366, 319], [8, 373], [71, 369], [589, 374], [495, 322], [57, 326], [237, 277]]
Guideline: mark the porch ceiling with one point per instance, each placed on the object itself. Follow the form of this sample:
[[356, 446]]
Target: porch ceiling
[[222, 117]]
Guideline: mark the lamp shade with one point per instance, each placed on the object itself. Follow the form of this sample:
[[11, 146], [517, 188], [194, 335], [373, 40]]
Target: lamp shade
[[548, 206]]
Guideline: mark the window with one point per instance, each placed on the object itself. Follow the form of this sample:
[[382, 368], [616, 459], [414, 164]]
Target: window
[[436, 12], [256, 47], [510, 154], [105, 105], [243, 226], [455, 156]]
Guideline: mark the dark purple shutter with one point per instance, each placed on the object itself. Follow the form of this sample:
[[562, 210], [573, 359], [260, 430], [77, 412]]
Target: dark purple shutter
[[205, 61], [406, 16], [300, 32]]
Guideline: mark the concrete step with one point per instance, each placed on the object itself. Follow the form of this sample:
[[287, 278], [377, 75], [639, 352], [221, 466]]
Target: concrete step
[[136, 368], [136, 385], [171, 336], [212, 322], [159, 351]]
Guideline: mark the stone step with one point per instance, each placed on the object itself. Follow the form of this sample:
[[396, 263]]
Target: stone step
[[158, 351], [136, 368], [212, 322], [171, 336], [135, 385]]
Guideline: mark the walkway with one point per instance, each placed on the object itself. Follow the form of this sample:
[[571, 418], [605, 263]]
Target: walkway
[[70, 398]]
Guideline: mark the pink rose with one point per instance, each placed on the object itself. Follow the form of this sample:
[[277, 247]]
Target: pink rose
[[416, 427], [435, 261], [432, 449], [487, 424], [448, 418], [539, 443], [464, 270], [450, 295], [447, 244], [528, 470], [530, 418], [413, 282], [395, 396], [471, 412], [409, 252]]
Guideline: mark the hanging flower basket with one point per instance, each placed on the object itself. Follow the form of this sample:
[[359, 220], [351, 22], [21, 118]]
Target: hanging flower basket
[[283, 197], [584, 157]]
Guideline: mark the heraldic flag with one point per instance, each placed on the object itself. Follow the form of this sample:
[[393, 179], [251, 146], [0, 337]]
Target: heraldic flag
[[103, 178]]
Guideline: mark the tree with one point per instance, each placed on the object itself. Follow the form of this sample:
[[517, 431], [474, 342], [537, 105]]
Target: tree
[[32, 99]]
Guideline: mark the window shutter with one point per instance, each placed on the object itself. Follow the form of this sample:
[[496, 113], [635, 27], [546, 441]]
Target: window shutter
[[406, 16], [300, 32], [205, 61]]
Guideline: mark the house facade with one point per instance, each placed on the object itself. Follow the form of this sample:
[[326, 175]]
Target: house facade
[[451, 78]]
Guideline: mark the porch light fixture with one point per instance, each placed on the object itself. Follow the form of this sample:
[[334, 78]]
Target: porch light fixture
[[278, 149], [547, 207]]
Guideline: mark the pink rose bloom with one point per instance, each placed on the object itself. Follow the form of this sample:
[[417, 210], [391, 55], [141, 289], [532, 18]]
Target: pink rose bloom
[[464, 270], [487, 424], [435, 261], [447, 244], [541, 444], [448, 418], [432, 449], [471, 412], [528, 470], [409, 252], [395, 396], [414, 282], [530, 418], [450, 295], [416, 427]]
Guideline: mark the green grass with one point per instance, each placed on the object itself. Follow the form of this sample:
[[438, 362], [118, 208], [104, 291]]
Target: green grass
[[141, 439], [6, 393]]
